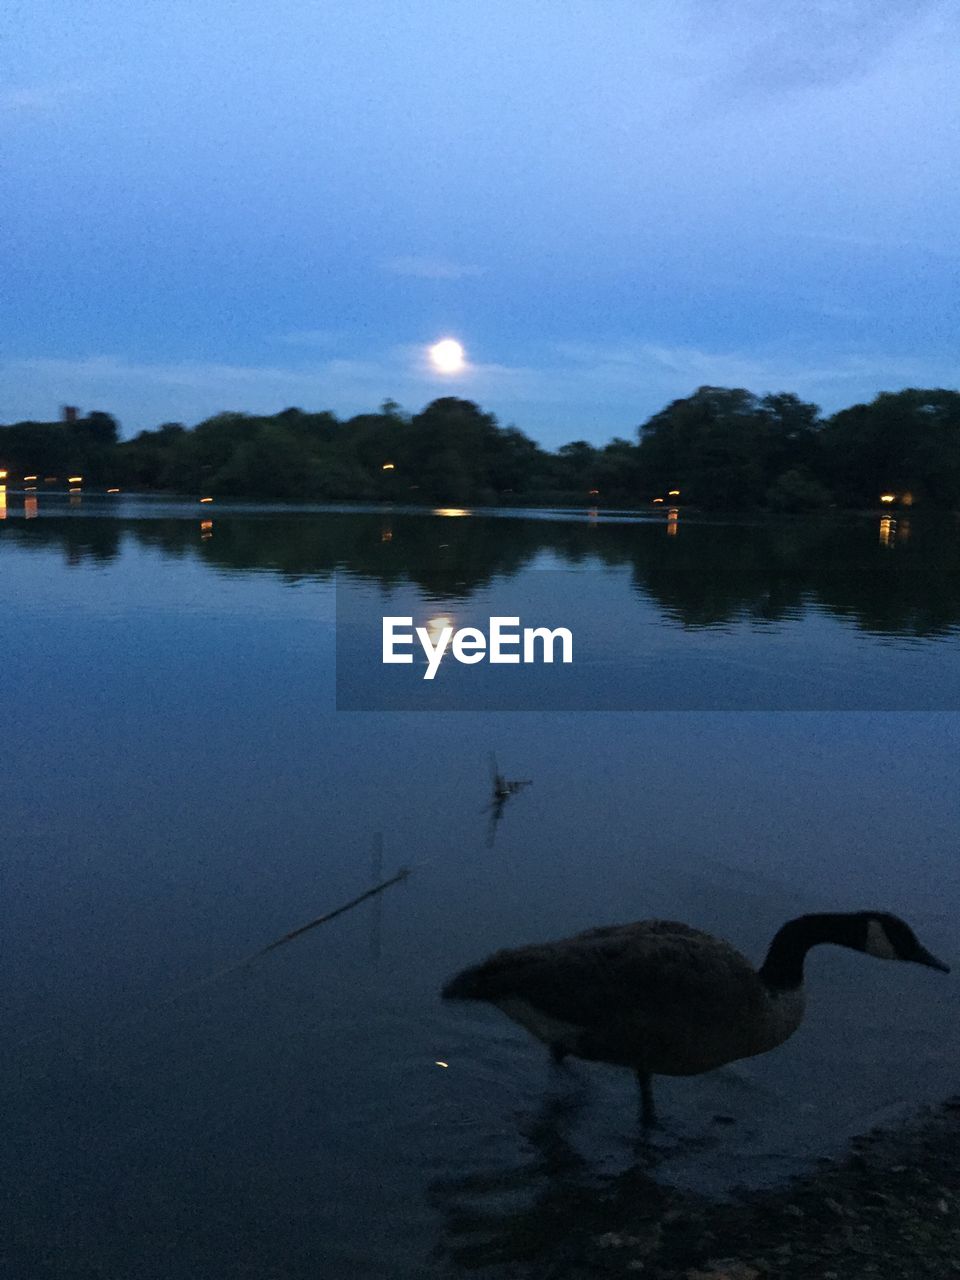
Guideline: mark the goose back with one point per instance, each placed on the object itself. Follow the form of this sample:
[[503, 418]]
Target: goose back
[[655, 995]]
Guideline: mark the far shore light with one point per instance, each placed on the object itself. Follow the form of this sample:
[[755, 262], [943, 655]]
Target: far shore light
[[888, 497], [29, 477], [113, 491], [206, 499], [75, 479], [3, 475], [447, 356], [673, 493], [388, 466]]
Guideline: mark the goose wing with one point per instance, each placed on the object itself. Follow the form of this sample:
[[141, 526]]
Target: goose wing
[[648, 992]]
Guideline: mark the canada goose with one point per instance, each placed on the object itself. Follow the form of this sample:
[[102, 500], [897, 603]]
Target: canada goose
[[666, 999]]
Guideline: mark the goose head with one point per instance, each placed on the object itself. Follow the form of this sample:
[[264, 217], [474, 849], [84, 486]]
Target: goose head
[[889, 938]]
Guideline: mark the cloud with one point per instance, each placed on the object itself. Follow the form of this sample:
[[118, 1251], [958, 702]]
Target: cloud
[[38, 98], [677, 370], [573, 389], [143, 394], [757, 48], [312, 338], [431, 268], [882, 245]]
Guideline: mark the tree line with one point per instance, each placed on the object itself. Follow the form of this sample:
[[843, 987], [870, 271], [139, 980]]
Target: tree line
[[718, 449]]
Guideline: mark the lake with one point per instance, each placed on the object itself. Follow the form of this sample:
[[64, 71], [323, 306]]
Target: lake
[[760, 720]]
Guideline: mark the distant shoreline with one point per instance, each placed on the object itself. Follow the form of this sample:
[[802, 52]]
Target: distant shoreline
[[719, 449], [645, 510]]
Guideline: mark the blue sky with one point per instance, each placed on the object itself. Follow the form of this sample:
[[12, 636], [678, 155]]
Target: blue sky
[[215, 205]]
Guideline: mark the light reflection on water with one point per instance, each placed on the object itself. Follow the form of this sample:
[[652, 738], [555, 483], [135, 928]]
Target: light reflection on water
[[182, 791]]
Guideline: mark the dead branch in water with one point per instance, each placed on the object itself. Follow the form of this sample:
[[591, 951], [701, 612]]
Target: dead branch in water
[[238, 965], [330, 915]]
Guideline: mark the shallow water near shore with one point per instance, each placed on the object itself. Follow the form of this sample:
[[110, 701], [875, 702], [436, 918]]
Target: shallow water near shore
[[179, 789]]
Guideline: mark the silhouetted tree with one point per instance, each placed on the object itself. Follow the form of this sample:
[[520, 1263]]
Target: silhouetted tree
[[723, 449], [903, 442]]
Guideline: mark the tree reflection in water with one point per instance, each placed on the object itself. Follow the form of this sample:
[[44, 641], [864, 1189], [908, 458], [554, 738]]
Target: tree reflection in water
[[715, 573]]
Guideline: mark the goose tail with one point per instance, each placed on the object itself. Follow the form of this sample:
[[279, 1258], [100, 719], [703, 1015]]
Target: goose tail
[[466, 985]]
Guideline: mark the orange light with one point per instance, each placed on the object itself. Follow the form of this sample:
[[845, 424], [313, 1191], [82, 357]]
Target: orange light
[[388, 466], [30, 508], [888, 497], [76, 490], [75, 479], [658, 499], [29, 477], [3, 475], [452, 511], [206, 499], [113, 491], [673, 493]]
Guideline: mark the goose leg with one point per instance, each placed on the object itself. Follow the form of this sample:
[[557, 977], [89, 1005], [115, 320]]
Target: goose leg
[[648, 1114]]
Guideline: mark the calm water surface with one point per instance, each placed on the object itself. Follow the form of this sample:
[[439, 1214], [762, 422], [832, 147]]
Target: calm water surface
[[179, 789]]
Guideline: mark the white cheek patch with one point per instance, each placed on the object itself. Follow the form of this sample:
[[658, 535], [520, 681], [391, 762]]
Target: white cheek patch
[[878, 944]]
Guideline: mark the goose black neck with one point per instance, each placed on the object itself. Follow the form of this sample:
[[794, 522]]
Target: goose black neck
[[783, 968]]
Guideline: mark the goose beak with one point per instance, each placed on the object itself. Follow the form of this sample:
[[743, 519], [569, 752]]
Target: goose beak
[[924, 957]]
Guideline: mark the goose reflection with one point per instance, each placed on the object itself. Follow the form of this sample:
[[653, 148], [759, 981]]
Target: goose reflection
[[549, 1200]]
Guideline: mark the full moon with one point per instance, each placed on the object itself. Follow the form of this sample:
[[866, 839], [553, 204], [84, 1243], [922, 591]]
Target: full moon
[[447, 356]]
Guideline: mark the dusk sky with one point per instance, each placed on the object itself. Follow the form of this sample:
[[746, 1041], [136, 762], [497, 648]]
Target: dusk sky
[[216, 206]]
